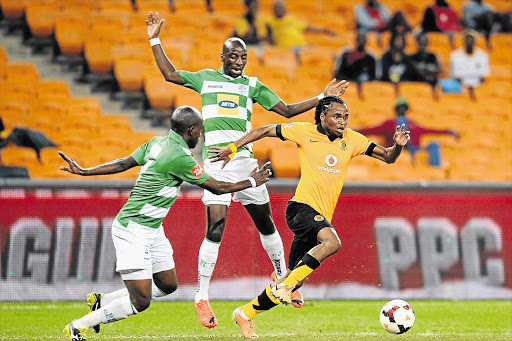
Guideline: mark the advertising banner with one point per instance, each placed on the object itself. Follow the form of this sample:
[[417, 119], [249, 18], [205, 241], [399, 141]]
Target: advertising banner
[[55, 244]]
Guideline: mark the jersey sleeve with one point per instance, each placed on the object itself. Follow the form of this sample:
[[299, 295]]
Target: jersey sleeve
[[294, 132], [139, 154], [187, 169], [192, 80], [264, 96], [360, 142]]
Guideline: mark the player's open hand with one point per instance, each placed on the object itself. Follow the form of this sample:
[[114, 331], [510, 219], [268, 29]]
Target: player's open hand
[[335, 88], [73, 167], [154, 23], [401, 136], [262, 175], [220, 154]]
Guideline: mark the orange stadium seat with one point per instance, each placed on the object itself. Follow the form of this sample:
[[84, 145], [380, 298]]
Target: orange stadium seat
[[18, 90], [116, 121], [184, 96], [97, 48], [14, 112], [158, 91], [70, 31], [115, 5], [54, 89], [114, 20], [4, 59], [285, 160], [13, 9], [129, 62], [40, 19], [21, 71], [86, 105]]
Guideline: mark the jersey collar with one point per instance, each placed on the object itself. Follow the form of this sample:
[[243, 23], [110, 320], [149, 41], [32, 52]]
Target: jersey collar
[[221, 71], [321, 130], [178, 138]]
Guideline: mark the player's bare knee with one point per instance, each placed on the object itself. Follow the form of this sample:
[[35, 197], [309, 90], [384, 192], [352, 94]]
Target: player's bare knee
[[140, 302], [169, 288]]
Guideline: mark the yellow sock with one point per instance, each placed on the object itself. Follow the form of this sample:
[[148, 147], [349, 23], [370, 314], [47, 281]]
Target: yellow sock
[[264, 301], [303, 269]]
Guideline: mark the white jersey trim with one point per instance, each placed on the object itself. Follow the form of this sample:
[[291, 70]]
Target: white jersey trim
[[168, 192], [222, 136], [231, 88], [153, 211]]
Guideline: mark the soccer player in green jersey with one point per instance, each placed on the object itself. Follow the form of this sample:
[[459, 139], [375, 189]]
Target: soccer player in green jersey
[[228, 95], [143, 252]]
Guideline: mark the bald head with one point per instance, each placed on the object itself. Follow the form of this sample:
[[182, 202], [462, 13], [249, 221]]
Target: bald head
[[185, 117], [233, 44]]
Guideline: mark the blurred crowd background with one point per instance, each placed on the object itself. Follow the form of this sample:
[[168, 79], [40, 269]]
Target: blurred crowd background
[[443, 68]]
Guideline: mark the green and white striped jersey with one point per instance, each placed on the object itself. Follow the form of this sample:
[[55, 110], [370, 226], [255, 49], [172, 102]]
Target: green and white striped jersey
[[167, 162], [227, 105]]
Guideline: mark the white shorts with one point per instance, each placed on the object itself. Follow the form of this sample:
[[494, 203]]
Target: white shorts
[[236, 170], [141, 248]]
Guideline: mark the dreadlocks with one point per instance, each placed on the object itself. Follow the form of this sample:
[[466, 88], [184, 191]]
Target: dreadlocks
[[325, 104]]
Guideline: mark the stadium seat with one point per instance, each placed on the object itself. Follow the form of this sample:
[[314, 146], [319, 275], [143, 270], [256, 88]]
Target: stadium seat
[[40, 19], [13, 9], [70, 30], [115, 5], [285, 160], [21, 72], [158, 91], [54, 89], [97, 48], [86, 105]]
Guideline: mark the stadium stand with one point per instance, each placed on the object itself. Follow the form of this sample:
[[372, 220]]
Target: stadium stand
[[109, 36]]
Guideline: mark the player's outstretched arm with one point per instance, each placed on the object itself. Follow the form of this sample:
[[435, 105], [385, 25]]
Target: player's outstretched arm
[[154, 23], [334, 88], [257, 178], [227, 153], [390, 154], [111, 167]]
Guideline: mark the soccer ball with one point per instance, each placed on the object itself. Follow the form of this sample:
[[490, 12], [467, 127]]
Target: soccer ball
[[397, 316]]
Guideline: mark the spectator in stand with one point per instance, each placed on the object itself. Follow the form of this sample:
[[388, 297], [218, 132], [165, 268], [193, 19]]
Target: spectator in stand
[[250, 27], [441, 18], [356, 64], [469, 65], [288, 32], [375, 17], [426, 63], [401, 108], [396, 66], [481, 17]]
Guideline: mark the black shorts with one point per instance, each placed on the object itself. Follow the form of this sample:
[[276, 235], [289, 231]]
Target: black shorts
[[305, 223]]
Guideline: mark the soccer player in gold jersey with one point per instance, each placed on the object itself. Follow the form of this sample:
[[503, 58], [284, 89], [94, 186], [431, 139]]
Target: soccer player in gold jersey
[[325, 150]]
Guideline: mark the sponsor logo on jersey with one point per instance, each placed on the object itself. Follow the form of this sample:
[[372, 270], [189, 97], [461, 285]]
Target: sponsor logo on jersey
[[310, 140], [228, 104], [331, 160], [197, 171], [318, 218], [343, 145], [329, 170], [289, 125], [215, 86]]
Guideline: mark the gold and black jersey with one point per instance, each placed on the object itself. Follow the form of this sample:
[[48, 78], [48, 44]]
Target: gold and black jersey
[[323, 163]]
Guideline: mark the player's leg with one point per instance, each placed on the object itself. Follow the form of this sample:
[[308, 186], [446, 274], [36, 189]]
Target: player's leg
[[208, 253], [270, 239], [328, 245], [138, 299]]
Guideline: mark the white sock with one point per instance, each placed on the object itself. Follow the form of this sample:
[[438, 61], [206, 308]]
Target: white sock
[[208, 254], [119, 309], [273, 244], [107, 298], [111, 296]]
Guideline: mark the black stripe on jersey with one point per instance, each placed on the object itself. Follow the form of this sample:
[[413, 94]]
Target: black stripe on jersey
[[279, 133], [370, 149]]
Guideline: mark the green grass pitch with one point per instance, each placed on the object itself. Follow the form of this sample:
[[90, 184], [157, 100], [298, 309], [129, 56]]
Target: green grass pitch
[[317, 320]]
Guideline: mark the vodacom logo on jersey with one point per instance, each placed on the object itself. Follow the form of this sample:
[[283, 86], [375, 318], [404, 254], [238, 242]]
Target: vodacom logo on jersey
[[330, 161]]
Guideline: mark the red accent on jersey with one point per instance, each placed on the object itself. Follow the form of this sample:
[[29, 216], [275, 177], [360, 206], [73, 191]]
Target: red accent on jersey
[[197, 171]]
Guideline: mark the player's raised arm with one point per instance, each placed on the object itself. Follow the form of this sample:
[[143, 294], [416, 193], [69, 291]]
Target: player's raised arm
[[112, 167], [154, 23], [334, 88], [226, 153], [257, 178], [390, 154]]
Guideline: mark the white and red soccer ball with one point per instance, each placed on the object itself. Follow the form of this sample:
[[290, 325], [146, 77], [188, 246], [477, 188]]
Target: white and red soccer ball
[[397, 316]]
